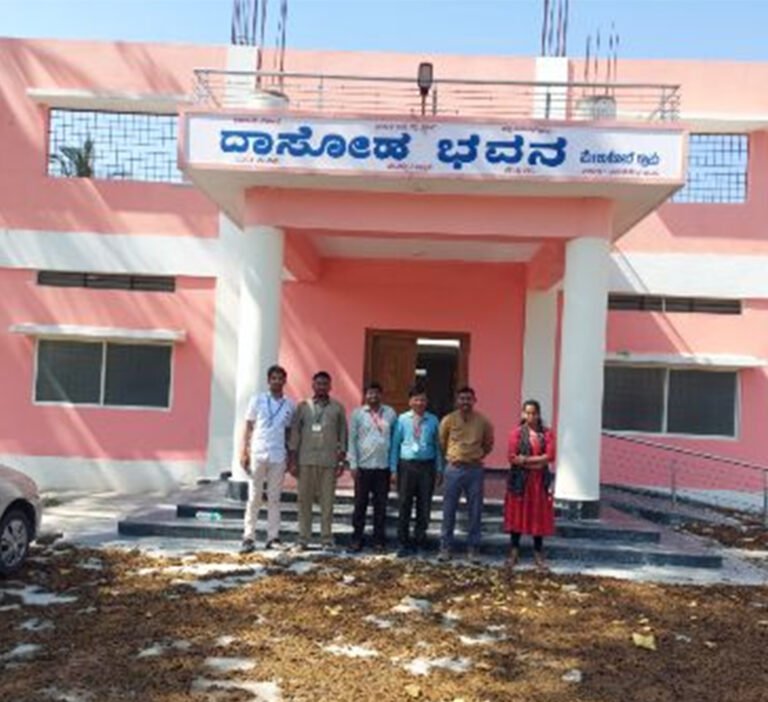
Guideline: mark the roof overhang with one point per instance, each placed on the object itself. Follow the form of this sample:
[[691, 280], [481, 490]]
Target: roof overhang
[[226, 154]]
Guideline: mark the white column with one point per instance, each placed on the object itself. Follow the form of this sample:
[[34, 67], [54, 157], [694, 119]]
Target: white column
[[582, 353], [539, 349], [258, 331], [224, 368]]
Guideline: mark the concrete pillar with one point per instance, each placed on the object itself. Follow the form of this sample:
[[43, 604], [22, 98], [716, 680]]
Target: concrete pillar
[[539, 349], [258, 332], [582, 354], [221, 415]]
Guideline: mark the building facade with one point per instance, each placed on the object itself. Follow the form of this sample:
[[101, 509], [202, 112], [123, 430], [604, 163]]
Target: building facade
[[172, 223]]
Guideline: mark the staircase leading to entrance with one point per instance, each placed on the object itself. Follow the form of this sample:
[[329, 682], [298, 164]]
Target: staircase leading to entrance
[[615, 539]]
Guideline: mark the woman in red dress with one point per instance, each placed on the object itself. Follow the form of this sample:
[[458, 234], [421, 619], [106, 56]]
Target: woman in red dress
[[529, 504]]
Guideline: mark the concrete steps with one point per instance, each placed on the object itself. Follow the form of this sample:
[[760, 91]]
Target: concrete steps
[[615, 539]]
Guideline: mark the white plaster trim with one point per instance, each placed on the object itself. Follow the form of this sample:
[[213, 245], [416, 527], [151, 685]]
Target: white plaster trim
[[725, 122], [76, 331], [695, 275], [149, 254], [103, 474], [113, 253], [108, 100], [697, 360]]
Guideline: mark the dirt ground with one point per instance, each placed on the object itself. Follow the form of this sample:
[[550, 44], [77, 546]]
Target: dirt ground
[[750, 534], [143, 628]]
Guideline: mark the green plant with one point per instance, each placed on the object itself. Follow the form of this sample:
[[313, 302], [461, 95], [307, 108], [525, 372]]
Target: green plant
[[76, 161]]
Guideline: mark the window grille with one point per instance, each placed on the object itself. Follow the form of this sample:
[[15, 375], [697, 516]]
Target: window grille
[[670, 400], [717, 169], [67, 279], [123, 146], [103, 373], [657, 303]]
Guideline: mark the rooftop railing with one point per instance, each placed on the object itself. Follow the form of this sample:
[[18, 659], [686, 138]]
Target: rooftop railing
[[473, 99]]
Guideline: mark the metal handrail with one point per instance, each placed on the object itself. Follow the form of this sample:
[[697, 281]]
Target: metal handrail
[[470, 97], [438, 81], [676, 452], [686, 452]]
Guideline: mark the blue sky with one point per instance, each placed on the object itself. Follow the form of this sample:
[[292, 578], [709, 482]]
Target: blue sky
[[725, 29]]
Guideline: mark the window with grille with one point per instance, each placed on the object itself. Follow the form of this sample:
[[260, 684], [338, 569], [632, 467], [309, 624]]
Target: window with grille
[[717, 169], [670, 400], [103, 373], [657, 303], [113, 146], [107, 281]]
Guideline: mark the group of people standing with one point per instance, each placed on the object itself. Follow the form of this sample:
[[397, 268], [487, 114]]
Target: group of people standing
[[414, 451]]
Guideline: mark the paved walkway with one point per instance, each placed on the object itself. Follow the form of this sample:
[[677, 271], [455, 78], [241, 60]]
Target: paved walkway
[[91, 521]]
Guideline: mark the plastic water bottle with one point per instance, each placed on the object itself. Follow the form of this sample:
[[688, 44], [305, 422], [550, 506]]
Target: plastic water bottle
[[208, 516]]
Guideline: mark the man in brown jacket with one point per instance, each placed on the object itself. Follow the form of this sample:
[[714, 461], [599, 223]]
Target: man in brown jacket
[[317, 456]]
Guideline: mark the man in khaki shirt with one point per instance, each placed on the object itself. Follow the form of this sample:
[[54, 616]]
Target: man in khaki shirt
[[317, 456], [466, 438]]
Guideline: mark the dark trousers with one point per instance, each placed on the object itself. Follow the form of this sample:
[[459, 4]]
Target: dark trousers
[[415, 483], [371, 482], [466, 478]]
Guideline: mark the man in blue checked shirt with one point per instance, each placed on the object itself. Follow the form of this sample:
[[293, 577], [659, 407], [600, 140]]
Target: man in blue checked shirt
[[416, 457], [370, 437]]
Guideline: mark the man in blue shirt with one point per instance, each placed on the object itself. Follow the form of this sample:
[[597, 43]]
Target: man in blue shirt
[[416, 457], [370, 437]]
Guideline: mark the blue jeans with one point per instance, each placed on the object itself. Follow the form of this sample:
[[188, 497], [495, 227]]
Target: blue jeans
[[461, 478]]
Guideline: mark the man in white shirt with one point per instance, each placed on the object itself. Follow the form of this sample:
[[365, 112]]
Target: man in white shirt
[[263, 456]]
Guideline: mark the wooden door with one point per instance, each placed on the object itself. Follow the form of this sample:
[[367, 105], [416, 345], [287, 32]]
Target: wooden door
[[392, 362]]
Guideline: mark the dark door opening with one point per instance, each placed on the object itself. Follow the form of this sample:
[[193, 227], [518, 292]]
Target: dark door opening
[[437, 368], [399, 359]]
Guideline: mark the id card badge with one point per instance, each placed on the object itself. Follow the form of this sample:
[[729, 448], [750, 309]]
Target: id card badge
[[317, 428], [415, 446]]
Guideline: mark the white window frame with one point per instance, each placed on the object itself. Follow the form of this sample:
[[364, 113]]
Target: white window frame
[[665, 403], [103, 376]]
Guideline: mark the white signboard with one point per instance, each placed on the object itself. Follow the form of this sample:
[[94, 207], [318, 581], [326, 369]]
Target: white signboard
[[433, 149]]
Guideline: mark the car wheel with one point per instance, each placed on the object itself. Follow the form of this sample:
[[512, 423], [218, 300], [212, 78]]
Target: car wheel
[[15, 535]]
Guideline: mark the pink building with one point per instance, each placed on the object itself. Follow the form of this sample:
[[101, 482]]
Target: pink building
[[600, 248]]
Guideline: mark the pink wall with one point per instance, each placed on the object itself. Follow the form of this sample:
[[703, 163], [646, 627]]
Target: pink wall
[[30, 200], [711, 228], [722, 87], [181, 433], [324, 325], [652, 332]]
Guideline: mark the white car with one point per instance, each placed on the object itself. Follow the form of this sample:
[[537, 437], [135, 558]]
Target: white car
[[20, 516]]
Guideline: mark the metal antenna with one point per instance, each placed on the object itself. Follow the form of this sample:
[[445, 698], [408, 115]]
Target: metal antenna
[[244, 22], [597, 56], [544, 28], [262, 32], [283, 31], [550, 28], [565, 27]]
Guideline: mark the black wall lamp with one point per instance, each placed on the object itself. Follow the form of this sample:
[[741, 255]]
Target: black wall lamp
[[424, 79]]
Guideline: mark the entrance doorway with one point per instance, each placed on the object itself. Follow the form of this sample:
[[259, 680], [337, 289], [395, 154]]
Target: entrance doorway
[[398, 359]]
